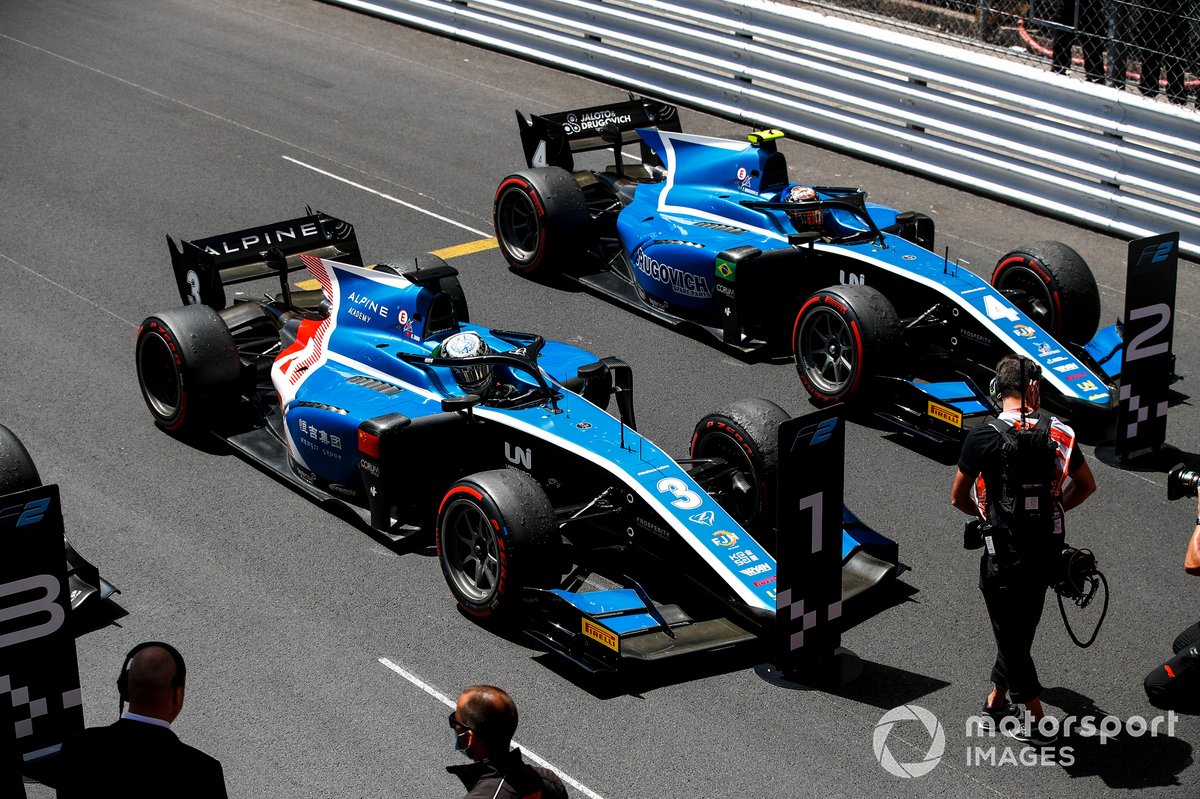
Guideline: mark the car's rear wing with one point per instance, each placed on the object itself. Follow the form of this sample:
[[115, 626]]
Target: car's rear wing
[[551, 139], [205, 266]]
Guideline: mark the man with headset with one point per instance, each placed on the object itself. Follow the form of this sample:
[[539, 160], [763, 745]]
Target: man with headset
[[1020, 549], [139, 754]]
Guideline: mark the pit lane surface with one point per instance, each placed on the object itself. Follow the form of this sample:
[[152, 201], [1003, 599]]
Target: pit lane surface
[[123, 122]]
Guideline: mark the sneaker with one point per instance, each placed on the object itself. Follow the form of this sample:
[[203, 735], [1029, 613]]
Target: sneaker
[[1033, 737], [998, 714]]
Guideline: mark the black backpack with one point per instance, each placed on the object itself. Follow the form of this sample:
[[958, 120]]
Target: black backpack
[[1027, 501]]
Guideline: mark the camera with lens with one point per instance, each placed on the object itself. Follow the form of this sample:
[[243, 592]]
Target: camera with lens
[[1182, 482], [1077, 575]]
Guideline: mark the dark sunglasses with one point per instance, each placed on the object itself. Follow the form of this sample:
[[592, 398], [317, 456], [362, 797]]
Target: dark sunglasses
[[455, 724]]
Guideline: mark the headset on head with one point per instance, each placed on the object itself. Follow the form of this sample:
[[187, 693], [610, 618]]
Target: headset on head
[[123, 678]]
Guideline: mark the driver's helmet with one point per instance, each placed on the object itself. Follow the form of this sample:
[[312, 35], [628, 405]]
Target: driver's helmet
[[808, 219], [476, 378]]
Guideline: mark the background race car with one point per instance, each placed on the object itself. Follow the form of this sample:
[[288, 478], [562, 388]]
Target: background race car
[[378, 395], [716, 235]]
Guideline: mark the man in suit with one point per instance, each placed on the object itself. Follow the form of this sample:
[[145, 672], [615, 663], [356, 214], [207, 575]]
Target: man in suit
[[139, 754]]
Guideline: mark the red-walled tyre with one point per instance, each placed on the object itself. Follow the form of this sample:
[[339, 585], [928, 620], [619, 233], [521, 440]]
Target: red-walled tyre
[[496, 534], [842, 335], [1053, 286], [746, 436], [187, 367], [541, 218]]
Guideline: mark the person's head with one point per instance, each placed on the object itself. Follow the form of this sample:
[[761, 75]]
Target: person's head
[[153, 680], [474, 379], [484, 720], [808, 219], [1018, 379]]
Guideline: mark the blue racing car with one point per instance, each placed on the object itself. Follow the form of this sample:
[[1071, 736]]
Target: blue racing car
[[377, 394], [717, 235]]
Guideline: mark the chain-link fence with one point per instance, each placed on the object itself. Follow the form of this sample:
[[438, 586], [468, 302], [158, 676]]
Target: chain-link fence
[[1152, 46]]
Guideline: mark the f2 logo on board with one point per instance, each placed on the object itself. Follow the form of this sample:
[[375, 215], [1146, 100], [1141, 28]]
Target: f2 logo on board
[[1156, 255], [29, 513]]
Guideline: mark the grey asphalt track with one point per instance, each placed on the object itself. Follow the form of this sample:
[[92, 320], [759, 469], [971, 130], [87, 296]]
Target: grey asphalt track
[[124, 121]]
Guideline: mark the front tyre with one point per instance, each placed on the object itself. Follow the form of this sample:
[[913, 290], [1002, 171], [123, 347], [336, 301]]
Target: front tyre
[[541, 218], [842, 335], [496, 534], [1053, 286], [187, 366], [746, 436]]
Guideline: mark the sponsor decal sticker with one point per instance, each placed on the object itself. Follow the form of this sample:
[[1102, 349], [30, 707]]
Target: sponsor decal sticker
[[601, 634], [682, 282], [1088, 385], [1045, 349], [726, 269], [764, 581], [743, 557], [758, 568], [651, 527], [1067, 367], [1024, 331], [947, 415], [724, 538], [704, 517]]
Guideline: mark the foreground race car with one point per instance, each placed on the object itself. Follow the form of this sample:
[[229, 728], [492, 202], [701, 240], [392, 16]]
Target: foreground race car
[[714, 234], [377, 394], [19, 473]]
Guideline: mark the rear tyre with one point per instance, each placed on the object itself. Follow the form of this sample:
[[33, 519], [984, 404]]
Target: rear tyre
[[17, 470], [746, 436], [188, 367], [842, 336], [496, 535], [541, 218], [1053, 286]]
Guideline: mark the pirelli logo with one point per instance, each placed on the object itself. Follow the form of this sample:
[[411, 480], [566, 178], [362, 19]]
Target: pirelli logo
[[947, 415], [601, 634]]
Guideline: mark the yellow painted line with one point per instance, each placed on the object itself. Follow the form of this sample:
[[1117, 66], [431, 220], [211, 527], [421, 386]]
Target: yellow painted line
[[445, 252], [467, 249]]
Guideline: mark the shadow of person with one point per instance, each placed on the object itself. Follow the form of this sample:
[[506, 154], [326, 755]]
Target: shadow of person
[[1160, 757]]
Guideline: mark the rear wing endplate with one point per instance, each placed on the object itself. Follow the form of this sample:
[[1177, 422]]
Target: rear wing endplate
[[550, 140], [205, 266]]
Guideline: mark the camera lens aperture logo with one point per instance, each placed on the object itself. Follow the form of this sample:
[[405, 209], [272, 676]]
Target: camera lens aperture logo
[[933, 727]]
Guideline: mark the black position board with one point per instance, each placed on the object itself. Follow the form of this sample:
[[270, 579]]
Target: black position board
[[809, 551], [39, 674], [1149, 325]]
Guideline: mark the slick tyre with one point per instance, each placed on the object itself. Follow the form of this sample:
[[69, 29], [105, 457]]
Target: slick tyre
[[541, 220], [1053, 286], [17, 470], [842, 336], [746, 436], [496, 534], [187, 366]]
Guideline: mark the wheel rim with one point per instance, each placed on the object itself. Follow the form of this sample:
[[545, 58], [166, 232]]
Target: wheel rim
[[743, 507], [1034, 298], [826, 348], [519, 226], [159, 376], [471, 551]]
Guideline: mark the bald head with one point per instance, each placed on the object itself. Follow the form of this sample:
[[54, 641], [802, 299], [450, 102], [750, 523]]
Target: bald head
[[491, 713], [155, 683]]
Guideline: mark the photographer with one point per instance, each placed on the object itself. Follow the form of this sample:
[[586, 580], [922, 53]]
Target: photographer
[[1017, 474], [1175, 685]]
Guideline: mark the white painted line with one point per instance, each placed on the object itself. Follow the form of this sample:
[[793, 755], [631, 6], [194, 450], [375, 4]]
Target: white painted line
[[389, 197], [528, 753]]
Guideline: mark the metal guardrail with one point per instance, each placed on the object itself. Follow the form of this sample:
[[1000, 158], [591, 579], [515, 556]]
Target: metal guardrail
[[1093, 154]]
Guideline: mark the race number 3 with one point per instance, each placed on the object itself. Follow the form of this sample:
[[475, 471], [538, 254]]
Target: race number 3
[[685, 498], [47, 603]]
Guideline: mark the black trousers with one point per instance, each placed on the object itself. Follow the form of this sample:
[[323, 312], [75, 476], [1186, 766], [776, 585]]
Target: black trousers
[[1175, 685], [1015, 595]]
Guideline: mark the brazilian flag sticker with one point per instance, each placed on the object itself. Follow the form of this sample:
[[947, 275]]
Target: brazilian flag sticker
[[726, 270]]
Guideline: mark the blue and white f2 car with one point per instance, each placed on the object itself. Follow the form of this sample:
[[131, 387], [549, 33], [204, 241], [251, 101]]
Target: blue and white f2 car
[[376, 393], [714, 234]]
